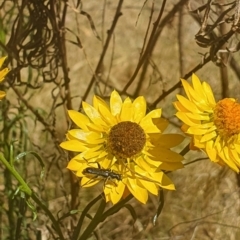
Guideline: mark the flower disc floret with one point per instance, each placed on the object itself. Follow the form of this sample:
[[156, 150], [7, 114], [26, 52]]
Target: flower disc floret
[[126, 139], [227, 118], [122, 140], [214, 127]]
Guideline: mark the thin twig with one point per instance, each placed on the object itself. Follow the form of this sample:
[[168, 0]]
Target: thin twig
[[224, 59], [100, 62], [147, 51], [181, 38], [178, 85], [139, 85], [150, 46]]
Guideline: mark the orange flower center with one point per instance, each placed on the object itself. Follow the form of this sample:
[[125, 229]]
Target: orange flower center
[[126, 139], [227, 118]]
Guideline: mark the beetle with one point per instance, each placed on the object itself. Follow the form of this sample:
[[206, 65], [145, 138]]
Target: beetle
[[105, 173]]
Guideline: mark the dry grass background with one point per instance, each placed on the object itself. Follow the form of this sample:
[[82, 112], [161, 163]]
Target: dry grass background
[[206, 203]]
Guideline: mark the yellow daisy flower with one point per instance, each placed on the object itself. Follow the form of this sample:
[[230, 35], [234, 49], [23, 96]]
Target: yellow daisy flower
[[214, 127], [124, 146], [3, 73]]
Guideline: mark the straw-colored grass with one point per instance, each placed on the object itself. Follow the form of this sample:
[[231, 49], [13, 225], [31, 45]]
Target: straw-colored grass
[[206, 202]]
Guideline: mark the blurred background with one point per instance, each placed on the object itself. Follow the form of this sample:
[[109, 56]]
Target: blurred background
[[62, 53]]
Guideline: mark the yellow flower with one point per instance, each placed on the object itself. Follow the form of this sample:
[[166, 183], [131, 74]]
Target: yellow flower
[[214, 127], [3, 73], [123, 147]]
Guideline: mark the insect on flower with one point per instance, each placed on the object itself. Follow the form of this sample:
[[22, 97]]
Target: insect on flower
[[105, 173], [127, 138]]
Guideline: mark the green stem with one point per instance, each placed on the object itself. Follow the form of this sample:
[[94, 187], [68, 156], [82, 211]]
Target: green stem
[[100, 216], [95, 221], [84, 213], [185, 150], [46, 210], [24, 186], [115, 208], [26, 189], [10, 209]]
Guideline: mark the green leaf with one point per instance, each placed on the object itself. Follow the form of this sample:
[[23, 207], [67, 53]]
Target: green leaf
[[32, 207], [132, 212], [23, 154], [160, 207]]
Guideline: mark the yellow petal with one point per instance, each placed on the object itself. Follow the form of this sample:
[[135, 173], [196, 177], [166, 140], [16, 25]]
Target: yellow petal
[[107, 116], [2, 59], [115, 194], [179, 107], [237, 147], [211, 151], [76, 165], [97, 101], [165, 155], [79, 119], [139, 109], [147, 122], [197, 85], [107, 198], [196, 116], [226, 152], [223, 154], [170, 166], [139, 193], [196, 96], [184, 127], [184, 118], [196, 131], [168, 140], [166, 182], [149, 127], [107, 161], [150, 186], [87, 136], [115, 103], [161, 123], [191, 107], [93, 114], [126, 112], [3, 73], [144, 163], [156, 113], [86, 182], [2, 94], [147, 160], [92, 152], [208, 136], [197, 143], [97, 128], [103, 154], [186, 87], [209, 125], [234, 156], [73, 145], [209, 93]]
